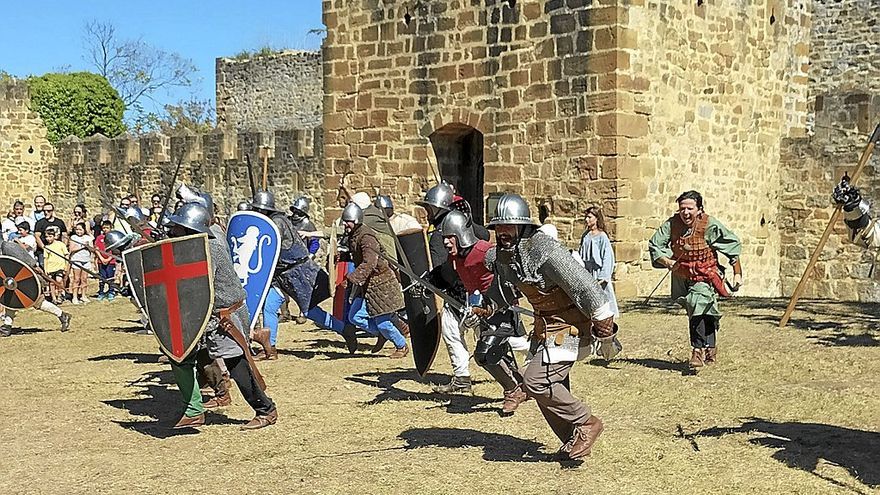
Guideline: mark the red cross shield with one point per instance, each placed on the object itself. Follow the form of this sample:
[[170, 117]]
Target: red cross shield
[[178, 292]]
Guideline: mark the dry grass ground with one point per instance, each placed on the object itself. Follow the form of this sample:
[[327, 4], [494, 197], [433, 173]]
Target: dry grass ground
[[785, 411]]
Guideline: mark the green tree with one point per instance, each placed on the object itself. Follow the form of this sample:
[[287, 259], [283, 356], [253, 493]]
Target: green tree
[[192, 115], [80, 104]]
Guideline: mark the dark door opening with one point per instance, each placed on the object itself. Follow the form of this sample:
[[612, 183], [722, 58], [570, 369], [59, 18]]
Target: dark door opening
[[459, 151]]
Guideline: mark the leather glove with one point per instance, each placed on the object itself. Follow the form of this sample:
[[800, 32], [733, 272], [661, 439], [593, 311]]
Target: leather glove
[[609, 347], [846, 195], [470, 320]]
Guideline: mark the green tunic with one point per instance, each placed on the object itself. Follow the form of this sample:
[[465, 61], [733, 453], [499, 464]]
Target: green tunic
[[698, 298]]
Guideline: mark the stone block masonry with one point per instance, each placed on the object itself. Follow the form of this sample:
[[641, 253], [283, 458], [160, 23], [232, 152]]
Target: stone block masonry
[[98, 170], [25, 152]]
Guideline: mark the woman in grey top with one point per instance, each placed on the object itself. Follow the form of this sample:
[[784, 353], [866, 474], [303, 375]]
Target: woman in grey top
[[597, 254]]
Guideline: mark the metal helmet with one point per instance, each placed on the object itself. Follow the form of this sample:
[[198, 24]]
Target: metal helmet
[[439, 196], [193, 216], [117, 241], [190, 195], [244, 206], [383, 201], [353, 213], [457, 224], [512, 209], [134, 215], [264, 200], [301, 205]]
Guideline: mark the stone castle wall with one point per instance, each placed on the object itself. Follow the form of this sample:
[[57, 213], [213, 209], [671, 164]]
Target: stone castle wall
[[721, 85], [25, 153], [408, 83], [97, 171], [844, 99], [270, 92]]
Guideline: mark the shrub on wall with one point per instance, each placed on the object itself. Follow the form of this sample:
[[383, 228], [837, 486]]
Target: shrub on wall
[[80, 104]]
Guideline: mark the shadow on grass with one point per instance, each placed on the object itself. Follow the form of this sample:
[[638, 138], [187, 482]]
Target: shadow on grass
[[386, 381], [657, 364], [802, 445], [135, 357], [826, 322], [163, 404], [332, 349], [496, 447]]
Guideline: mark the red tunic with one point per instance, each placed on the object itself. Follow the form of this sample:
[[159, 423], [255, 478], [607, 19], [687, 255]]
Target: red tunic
[[472, 269]]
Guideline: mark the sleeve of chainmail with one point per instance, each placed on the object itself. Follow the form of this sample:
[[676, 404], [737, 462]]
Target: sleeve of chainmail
[[562, 270], [658, 246]]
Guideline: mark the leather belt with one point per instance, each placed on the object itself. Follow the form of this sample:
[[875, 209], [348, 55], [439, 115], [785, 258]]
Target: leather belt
[[225, 312]]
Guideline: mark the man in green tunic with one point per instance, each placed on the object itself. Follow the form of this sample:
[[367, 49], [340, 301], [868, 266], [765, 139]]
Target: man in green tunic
[[688, 244]]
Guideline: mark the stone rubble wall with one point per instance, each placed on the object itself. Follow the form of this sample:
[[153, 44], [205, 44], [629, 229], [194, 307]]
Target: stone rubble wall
[[270, 92]]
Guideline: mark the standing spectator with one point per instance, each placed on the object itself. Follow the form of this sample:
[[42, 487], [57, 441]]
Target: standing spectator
[[8, 227], [106, 265], [39, 203], [597, 254], [18, 211], [155, 208], [55, 264], [49, 220], [119, 221], [80, 216], [81, 246], [27, 240]]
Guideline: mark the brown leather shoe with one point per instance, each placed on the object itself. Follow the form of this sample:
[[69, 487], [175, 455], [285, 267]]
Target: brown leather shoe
[[512, 400], [698, 360], [163, 359], [261, 336], [400, 353], [711, 355], [271, 355], [380, 343], [219, 401], [190, 422], [401, 325], [261, 421], [583, 438]]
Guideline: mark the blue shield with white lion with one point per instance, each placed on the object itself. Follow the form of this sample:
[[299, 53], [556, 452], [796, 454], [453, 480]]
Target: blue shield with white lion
[[255, 244]]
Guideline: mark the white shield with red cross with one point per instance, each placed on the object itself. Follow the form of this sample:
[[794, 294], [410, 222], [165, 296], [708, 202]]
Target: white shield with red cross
[[178, 291]]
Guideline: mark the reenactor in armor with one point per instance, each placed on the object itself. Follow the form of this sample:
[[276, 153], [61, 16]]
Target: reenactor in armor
[[302, 222], [14, 250], [864, 230], [688, 244], [571, 310], [229, 315], [492, 326], [400, 222], [376, 292]]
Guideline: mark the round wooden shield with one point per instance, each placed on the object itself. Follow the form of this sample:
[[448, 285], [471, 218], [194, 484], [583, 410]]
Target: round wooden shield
[[20, 286]]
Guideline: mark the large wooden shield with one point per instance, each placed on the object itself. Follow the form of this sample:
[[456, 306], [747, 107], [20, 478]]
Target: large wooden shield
[[421, 306], [134, 271], [255, 244], [20, 285], [178, 287]]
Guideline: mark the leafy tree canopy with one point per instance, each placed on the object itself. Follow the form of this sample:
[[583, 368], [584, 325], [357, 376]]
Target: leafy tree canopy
[[79, 103]]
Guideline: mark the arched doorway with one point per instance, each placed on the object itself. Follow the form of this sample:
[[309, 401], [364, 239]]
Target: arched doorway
[[459, 152]]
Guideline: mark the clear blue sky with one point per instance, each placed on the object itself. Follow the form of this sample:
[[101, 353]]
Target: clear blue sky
[[40, 37]]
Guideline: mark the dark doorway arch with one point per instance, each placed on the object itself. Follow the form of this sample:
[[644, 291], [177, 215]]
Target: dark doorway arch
[[459, 151]]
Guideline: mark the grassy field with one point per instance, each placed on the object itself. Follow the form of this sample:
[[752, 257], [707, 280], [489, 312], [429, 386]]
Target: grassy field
[[795, 410]]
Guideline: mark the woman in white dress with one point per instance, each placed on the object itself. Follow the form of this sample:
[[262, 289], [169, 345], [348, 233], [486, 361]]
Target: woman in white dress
[[597, 254]]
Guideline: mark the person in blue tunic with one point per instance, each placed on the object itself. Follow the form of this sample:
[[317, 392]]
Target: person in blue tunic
[[596, 252]]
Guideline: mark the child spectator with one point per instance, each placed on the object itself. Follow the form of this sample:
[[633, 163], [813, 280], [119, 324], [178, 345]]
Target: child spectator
[[27, 240], [81, 245], [53, 263], [106, 265]]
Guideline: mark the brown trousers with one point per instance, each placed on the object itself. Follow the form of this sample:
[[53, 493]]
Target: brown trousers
[[546, 383]]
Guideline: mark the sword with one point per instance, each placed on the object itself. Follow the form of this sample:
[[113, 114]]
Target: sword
[[250, 170], [77, 263], [442, 295], [170, 191]]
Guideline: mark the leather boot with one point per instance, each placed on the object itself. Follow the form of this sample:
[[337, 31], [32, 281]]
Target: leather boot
[[512, 400], [261, 336], [711, 355], [219, 401], [458, 385], [272, 355], [222, 397], [400, 353], [262, 421], [350, 336], [583, 438], [401, 325], [698, 359], [190, 422]]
